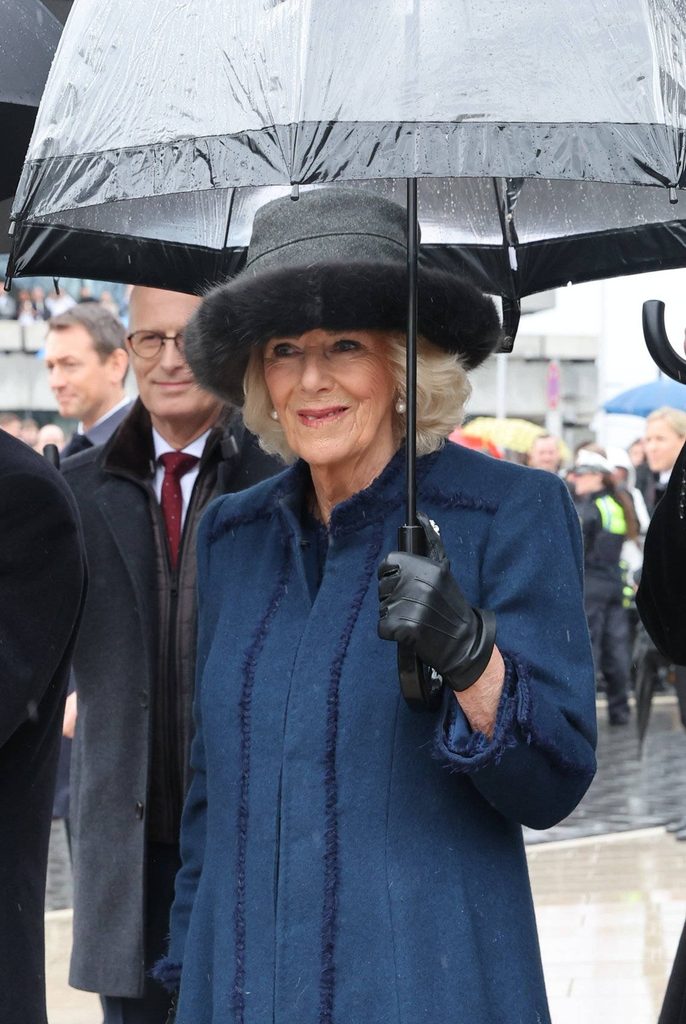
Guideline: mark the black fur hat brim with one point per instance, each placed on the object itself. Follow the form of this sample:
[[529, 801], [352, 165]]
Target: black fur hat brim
[[250, 309]]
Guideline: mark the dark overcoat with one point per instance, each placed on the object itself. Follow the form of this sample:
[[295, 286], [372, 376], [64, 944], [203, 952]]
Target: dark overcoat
[[116, 669], [661, 603], [661, 596], [42, 579], [346, 859]]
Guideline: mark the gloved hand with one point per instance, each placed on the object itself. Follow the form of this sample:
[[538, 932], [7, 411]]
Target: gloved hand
[[422, 606]]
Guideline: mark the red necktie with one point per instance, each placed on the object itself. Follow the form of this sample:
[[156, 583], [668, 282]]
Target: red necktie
[[176, 464]]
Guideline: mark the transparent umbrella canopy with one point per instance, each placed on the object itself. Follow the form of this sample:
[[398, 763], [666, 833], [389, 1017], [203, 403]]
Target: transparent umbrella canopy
[[547, 148]]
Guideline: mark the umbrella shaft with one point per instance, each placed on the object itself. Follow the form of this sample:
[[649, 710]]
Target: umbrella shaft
[[411, 365]]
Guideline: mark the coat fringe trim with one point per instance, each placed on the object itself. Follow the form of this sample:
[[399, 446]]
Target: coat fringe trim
[[327, 981], [373, 505], [515, 720], [457, 500], [167, 973], [245, 707]]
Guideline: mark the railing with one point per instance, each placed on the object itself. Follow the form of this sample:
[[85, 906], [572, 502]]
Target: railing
[[16, 337]]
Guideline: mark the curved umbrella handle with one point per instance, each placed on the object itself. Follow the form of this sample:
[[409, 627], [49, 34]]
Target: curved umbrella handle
[[52, 454], [657, 342]]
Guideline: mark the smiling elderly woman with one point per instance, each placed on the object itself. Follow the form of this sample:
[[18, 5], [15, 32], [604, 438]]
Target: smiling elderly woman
[[346, 859]]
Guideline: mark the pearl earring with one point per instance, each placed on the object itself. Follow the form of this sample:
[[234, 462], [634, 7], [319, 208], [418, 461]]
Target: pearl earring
[[400, 406], [274, 414]]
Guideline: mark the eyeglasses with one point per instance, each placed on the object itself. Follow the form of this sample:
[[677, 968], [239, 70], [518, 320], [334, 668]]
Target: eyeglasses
[[148, 344]]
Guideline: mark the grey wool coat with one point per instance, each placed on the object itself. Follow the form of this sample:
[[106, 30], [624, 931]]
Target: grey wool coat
[[345, 859], [115, 664]]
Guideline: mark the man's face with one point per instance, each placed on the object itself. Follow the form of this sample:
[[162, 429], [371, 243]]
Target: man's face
[[166, 385], [12, 427], [662, 445], [80, 381], [545, 454]]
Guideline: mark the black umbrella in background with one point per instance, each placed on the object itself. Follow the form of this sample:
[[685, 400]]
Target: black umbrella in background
[[29, 34], [543, 147]]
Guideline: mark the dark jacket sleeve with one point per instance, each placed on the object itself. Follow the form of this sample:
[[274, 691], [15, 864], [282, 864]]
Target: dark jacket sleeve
[[661, 597], [41, 587]]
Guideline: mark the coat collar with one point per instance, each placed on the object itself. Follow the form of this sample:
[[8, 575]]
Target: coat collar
[[131, 452], [367, 507]]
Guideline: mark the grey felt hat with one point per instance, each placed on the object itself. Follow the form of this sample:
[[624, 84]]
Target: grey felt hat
[[334, 259]]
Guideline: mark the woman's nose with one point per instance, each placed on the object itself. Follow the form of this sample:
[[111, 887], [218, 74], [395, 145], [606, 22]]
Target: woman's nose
[[316, 373]]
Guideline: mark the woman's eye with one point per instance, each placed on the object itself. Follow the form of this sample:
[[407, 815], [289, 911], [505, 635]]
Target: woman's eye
[[282, 351], [346, 345]]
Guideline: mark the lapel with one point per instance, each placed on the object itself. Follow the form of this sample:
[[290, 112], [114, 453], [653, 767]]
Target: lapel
[[125, 510]]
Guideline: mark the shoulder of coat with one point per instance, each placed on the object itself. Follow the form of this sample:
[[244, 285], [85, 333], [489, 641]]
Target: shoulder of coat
[[261, 501], [462, 477]]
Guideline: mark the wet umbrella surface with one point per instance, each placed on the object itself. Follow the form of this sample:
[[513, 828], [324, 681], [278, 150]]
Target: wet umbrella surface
[[548, 148]]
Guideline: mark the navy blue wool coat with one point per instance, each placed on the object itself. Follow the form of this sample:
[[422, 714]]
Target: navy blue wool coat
[[347, 860]]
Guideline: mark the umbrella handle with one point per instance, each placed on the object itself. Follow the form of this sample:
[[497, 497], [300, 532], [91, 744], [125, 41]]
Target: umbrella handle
[[658, 344], [52, 453], [512, 312], [420, 685]]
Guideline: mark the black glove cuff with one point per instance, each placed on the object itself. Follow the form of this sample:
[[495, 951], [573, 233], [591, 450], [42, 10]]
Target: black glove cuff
[[474, 667]]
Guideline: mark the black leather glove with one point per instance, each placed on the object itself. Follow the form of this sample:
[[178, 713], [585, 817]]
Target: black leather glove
[[422, 606]]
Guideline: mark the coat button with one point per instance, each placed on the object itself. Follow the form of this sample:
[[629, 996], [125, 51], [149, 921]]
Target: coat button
[[140, 808]]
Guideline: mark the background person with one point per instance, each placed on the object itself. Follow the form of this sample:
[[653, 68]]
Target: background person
[[607, 521], [50, 433], [544, 453], [664, 437], [87, 362], [42, 578], [10, 423], [335, 843], [141, 496], [29, 431]]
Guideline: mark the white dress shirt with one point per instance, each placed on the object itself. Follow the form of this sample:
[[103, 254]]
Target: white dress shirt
[[188, 479]]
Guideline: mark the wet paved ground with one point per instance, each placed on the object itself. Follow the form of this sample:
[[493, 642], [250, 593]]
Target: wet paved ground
[[628, 792]]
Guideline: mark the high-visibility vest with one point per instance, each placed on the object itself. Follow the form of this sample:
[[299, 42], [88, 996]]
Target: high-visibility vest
[[612, 514]]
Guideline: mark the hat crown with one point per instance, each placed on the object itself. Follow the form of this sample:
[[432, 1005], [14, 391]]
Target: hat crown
[[327, 226]]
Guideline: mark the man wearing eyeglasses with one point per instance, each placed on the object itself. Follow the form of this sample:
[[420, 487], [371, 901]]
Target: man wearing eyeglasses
[[141, 497]]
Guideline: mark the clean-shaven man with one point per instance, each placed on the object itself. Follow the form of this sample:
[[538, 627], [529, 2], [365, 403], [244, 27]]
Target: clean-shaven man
[[87, 362]]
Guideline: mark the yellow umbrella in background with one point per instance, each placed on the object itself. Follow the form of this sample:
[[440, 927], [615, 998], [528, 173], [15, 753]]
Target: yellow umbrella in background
[[517, 435]]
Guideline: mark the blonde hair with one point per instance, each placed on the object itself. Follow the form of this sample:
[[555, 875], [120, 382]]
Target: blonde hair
[[675, 417], [442, 393]]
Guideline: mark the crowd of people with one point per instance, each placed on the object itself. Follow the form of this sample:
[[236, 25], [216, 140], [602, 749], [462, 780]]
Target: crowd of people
[[616, 491], [261, 828], [35, 305]]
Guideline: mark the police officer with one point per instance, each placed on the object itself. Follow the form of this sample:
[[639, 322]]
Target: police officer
[[607, 520]]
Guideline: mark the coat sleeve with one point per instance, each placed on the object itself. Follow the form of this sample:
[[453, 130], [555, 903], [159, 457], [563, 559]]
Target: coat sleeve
[[661, 596], [541, 757], [194, 819], [42, 579]]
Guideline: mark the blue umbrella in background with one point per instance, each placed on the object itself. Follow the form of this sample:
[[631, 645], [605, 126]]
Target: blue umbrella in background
[[645, 398]]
